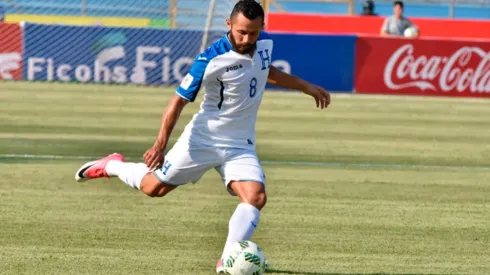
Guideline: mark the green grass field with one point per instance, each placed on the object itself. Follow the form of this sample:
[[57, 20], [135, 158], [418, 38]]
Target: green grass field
[[373, 185]]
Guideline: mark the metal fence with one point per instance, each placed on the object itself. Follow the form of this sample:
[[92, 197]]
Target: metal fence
[[188, 14]]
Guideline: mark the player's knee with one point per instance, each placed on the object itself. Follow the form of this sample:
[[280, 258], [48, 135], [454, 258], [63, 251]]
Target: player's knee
[[261, 201], [151, 191], [257, 199], [152, 187]]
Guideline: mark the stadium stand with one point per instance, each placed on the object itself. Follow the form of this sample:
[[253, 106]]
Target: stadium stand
[[147, 13], [463, 9], [192, 14]]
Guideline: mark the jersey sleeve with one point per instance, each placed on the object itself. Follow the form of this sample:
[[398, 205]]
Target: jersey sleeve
[[191, 84]]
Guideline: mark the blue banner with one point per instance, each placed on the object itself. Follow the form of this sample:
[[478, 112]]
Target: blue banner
[[325, 60], [163, 57], [108, 55]]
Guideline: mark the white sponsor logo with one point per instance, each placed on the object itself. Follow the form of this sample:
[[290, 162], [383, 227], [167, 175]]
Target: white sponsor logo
[[119, 73], [8, 63], [451, 73]]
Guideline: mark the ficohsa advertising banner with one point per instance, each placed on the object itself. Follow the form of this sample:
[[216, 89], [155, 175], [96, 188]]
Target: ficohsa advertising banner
[[108, 55], [423, 67]]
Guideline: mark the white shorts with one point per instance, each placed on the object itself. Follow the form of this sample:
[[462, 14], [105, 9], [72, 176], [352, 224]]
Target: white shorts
[[186, 163]]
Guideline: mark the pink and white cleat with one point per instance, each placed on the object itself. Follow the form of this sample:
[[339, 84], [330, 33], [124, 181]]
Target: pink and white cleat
[[220, 269], [96, 169]]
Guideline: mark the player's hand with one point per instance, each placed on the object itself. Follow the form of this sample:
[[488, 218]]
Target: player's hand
[[321, 96], [154, 157]]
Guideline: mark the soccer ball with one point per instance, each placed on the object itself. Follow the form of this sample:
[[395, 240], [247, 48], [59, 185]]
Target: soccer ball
[[244, 258], [411, 32]]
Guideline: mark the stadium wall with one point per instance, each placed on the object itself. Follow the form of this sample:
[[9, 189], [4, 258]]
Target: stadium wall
[[341, 63]]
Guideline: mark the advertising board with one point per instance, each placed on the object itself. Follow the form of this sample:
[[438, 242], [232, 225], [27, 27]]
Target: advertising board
[[422, 67]]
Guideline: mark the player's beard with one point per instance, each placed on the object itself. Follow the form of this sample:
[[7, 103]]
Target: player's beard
[[240, 48]]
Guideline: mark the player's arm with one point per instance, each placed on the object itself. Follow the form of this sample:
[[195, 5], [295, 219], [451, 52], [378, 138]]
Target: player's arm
[[153, 157], [169, 120], [285, 80], [186, 92]]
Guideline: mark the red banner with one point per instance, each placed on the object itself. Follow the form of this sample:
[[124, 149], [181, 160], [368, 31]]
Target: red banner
[[371, 25], [422, 67], [10, 52]]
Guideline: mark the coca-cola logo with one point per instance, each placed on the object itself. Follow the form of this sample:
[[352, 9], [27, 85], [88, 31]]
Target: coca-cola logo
[[467, 68]]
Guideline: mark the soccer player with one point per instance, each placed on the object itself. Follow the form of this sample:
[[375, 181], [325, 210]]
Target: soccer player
[[234, 72]]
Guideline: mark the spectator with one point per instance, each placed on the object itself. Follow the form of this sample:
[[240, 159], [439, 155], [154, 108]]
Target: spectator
[[368, 8], [396, 24]]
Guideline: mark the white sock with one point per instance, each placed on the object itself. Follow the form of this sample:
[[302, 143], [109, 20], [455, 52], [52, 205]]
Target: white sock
[[242, 224], [129, 173]]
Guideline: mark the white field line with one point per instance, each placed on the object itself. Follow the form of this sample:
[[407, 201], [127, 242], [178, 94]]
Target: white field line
[[291, 163]]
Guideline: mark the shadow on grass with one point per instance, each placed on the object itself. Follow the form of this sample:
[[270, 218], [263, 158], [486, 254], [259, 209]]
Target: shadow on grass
[[277, 271]]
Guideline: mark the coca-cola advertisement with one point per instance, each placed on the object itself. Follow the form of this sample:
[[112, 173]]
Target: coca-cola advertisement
[[422, 67]]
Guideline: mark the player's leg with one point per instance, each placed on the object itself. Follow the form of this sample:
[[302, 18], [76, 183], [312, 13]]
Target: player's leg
[[182, 165], [244, 177], [136, 175], [250, 193], [246, 217], [153, 187]]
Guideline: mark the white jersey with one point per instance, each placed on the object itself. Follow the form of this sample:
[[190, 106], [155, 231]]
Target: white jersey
[[234, 84]]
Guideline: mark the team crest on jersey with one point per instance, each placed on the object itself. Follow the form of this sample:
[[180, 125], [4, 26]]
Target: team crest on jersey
[[234, 68]]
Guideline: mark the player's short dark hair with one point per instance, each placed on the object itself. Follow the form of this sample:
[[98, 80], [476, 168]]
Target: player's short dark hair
[[249, 8], [398, 3]]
